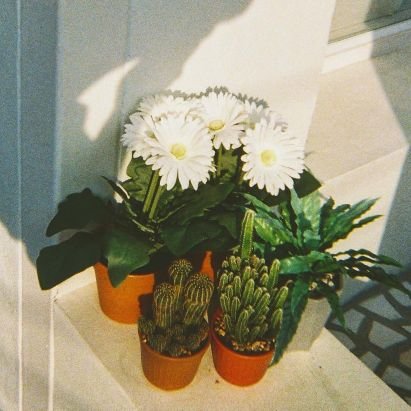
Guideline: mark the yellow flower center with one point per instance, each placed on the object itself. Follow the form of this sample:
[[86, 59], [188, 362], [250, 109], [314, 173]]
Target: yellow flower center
[[216, 125], [178, 151], [268, 157]]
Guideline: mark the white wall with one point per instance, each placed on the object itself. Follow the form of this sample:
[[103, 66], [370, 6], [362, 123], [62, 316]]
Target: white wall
[[27, 143]]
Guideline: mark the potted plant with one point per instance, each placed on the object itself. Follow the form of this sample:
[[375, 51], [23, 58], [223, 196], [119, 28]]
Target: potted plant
[[300, 233], [174, 339], [244, 330], [193, 158]]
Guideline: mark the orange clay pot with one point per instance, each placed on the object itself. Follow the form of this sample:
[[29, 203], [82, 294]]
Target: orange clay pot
[[169, 373], [207, 263], [129, 300], [238, 369]]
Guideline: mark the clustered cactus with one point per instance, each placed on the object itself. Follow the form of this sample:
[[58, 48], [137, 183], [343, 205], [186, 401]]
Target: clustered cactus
[[178, 326], [249, 297]]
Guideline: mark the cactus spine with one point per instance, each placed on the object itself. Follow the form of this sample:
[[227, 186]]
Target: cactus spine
[[249, 297], [178, 326]]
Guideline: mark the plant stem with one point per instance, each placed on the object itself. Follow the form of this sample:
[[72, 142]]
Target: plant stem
[[152, 188], [238, 171], [218, 161], [154, 204]]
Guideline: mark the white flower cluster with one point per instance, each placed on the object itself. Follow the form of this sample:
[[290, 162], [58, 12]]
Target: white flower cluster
[[179, 136]]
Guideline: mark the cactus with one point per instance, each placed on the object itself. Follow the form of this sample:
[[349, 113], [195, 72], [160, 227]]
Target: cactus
[[164, 305], [248, 293], [178, 326], [197, 295], [179, 271]]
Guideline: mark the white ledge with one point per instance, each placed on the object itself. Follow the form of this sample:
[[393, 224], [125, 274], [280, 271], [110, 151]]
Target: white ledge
[[328, 377]]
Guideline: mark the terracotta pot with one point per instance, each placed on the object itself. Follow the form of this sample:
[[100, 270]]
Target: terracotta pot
[[169, 373], [129, 300], [238, 369], [207, 263]]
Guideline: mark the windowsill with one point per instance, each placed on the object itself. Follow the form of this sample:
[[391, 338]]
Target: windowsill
[[326, 377]]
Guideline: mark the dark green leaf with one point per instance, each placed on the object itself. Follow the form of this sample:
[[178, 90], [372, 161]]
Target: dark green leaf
[[117, 188], [378, 274], [306, 184], [230, 220], [288, 327], [299, 295], [333, 300], [258, 204], [78, 210], [340, 221], [207, 196], [57, 263], [181, 239], [375, 258], [125, 253]]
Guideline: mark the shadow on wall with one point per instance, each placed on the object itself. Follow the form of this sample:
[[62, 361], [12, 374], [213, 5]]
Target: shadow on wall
[[99, 61], [159, 37]]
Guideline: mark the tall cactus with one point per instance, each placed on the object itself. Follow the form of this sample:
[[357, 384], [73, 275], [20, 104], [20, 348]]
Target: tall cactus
[[246, 235], [164, 305], [197, 295], [248, 293], [178, 326], [179, 271]]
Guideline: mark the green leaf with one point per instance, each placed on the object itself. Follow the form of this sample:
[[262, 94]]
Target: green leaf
[[304, 263], [117, 188], [311, 209], [207, 196], [258, 204], [57, 263], [334, 301], [181, 239], [375, 258], [340, 221], [288, 327], [299, 295], [302, 223], [140, 175], [230, 220], [78, 210], [125, 253], [272, 231], [306, 184], [375, 273]]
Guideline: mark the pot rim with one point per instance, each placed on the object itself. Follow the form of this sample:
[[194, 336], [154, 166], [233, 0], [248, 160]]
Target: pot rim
[[132, 274], [187, 358], [246, 357]]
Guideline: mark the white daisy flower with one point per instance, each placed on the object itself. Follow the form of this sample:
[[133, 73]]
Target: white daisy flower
[[182, 150], [272, 158], [139, 129], [223, 114], [160, 105], [258, 112]]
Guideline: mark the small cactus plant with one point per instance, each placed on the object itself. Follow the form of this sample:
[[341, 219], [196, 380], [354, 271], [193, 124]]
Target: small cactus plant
[[178, 327], [249, 296]]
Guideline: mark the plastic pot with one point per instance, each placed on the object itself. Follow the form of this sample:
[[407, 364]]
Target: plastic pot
[[129, 300], [169, 373], [238, 369]]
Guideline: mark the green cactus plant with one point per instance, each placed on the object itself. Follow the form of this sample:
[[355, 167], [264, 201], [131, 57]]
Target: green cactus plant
[[178, 327], [249, 297]]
